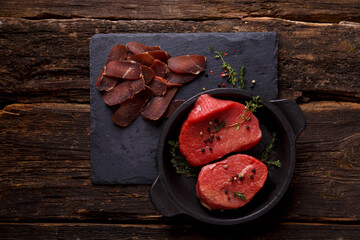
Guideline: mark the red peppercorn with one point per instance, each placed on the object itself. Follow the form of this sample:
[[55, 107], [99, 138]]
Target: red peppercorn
[[223, 85]]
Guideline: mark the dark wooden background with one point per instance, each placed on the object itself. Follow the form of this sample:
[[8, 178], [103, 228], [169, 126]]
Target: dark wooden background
[[45, 187]]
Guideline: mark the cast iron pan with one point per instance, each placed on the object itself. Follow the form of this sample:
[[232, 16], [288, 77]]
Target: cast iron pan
[[174, 194]]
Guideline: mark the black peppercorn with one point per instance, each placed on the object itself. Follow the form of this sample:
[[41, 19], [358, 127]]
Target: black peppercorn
[[218, 137], [210, 148], [226, 191], [251, 176], [253, 170], [203, 149], [247, 127], [208, 129]]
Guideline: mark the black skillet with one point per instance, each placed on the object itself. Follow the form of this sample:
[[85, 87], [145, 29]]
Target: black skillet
[[174, 194]]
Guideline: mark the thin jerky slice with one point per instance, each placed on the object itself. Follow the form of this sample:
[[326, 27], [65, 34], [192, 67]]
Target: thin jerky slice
[[131, 108], [158, 87], [158, 105], [105, 83], [160, 55], [160, 68], [179, 78], [148, 73], [187, 64], [118, 52], [142, 58], [128, 70], [136, 47], [175, 104], [167, 83], [123, 91]]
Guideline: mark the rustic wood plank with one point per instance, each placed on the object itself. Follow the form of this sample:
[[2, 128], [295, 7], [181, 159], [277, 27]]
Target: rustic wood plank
[[194, 231], [45, 168], [314, 11], [48, 60]]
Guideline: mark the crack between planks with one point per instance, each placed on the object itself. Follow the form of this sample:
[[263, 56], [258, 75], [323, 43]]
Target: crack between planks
[[343, 22]]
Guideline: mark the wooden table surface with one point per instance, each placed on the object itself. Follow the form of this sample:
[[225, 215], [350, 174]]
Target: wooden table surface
[[45, 187]]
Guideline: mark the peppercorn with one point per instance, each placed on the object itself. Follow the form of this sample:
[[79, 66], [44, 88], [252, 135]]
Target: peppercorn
[[208, 129], [210, 148], [201, 133], [237, 175], [210, 140], [219, 85], [223, 85], [205, 140], [206, 75], [253, 170], [251, 176], [218, 137], [203, 149], [232, 179], [226, 191], [216, 120], [247, 127]]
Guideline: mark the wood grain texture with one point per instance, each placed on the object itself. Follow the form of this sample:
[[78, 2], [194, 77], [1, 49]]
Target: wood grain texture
[[314, 11], [155, 231], [45, 169], [48, 60]]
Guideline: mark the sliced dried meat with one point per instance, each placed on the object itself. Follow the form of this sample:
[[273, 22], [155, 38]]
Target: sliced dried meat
[[136, 47], [118, 52], [105, 83], [175, 104], [148, 73], [142, 58], [160, 55], [157, 87], [160, 68], [128, 70], [123, 91], [167, 83], [179, 78], [158, 105], [187, 64], [131, 108]]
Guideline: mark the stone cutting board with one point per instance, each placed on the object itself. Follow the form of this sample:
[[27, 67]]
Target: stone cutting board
[[128, 155]]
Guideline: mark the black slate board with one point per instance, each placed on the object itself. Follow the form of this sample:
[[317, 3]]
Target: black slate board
[[128, 155]]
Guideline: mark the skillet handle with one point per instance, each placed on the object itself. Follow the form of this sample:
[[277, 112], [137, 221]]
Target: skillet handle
[[162, 201], [293, 114]]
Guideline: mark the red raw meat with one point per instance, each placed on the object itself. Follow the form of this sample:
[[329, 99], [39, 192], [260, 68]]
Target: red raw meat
[[128, 70], [199, 141], [123, 92], [136, 47], [187, 64], [230, 183]]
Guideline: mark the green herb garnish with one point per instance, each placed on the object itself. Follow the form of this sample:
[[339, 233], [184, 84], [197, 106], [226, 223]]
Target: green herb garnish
[[239, 195], [180, 165], [250, 107], [232, 77], [221, 125], [269, 147]]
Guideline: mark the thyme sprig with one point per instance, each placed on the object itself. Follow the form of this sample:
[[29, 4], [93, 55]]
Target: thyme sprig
[[250, 107], [232, 76], [265, 155], [180, 165], [239, 195], [220, 126]]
